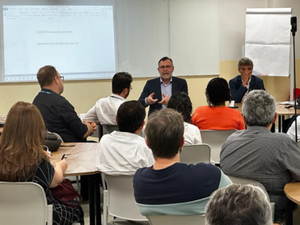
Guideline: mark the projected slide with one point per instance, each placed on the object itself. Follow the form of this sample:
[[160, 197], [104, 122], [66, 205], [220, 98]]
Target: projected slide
[[78, 40]]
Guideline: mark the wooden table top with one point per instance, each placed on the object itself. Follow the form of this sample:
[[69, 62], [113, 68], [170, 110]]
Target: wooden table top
[[292, 191], [79, 156], [280, 109]]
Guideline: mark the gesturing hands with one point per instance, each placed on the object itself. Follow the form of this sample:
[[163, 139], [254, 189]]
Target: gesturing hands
[[165, 100], [151, 101]]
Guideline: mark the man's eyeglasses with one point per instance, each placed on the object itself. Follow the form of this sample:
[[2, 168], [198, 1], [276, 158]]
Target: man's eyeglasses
[[61, 77], [165, 67]]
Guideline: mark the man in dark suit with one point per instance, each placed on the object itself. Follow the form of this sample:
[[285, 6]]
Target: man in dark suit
[[242, 84], [158, 91]]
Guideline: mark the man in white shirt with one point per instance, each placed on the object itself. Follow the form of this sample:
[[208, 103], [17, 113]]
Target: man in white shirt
[[123, 152], [105, 109]]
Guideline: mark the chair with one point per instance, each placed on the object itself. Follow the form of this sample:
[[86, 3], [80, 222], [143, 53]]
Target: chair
[[193, 154], [176, 220], [106, 129], [24, 203], [215, 139], [118, 199], [239, 180]]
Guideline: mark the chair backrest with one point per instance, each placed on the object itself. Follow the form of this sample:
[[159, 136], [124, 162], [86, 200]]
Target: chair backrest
[[24, 203], [192, 154], [239, 180], [106, 129], [215, 139], [121, 202], [176, 220]]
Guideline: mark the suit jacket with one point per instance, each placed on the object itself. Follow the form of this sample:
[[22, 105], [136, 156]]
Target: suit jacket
[[178, 84], [238, 90]]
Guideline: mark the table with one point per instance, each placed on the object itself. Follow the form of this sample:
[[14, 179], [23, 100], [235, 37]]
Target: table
[[292, 192], [81, 161], [280, 110]]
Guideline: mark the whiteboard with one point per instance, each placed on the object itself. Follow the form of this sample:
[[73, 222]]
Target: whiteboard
[[267, 40], [143, 32], [186, 31]]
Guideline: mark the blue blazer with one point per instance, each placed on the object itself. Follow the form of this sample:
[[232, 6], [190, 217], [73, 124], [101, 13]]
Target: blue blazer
[[178, 84], [238, 90]]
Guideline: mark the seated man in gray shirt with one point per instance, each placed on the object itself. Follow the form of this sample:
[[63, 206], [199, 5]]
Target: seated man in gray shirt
[[272, 159]]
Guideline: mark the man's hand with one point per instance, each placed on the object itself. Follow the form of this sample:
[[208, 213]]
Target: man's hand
[[150, 99], [94, 125], [91, 127], [165, 100], [245, 78]]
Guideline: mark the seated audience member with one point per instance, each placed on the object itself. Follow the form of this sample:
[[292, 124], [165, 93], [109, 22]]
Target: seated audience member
[[238, 204], [272, 159], [171, 187], [181, 102], [58, 114], [123, 152], [291, 131], [217, 116], [23, 159], [242, 84], [105, 109]]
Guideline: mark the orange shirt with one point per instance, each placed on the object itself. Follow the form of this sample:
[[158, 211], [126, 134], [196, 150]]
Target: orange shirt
[[218, 118]]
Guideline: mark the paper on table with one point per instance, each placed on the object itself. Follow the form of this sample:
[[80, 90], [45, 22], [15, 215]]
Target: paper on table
[[287, 103]]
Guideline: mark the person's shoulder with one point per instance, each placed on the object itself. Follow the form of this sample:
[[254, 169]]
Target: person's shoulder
[[190, 126], [282, 136], [257, 79], [201, 169], [232, 111], [202, 108], [178, 79], [157, 79], [235, 78], [141, 172]]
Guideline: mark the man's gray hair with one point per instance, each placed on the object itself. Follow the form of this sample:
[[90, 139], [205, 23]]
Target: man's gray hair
[[164, 132], [259, 108], [238, 204], [245, 62]]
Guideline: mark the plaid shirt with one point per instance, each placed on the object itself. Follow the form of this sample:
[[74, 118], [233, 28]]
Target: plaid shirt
[[272, 159]]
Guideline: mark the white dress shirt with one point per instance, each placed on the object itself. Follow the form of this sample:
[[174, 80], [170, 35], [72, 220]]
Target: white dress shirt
[[105, 110], [191, 135], [291, 132], [122, 153]]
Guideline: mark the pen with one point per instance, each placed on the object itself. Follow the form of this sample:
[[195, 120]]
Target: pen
[[63, 156]]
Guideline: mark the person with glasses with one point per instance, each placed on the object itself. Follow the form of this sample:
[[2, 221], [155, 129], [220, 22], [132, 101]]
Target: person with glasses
[[58, 114], [105, 109], [158, 91]]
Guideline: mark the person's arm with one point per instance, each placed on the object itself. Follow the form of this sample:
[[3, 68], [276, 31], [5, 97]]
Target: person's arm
[[291, 159], [241, 123], [59, 170], [146, 92], [73, 122], [91, 128], [197, 137], [91, 115], [237, 93], [261, 85], [184, 87]]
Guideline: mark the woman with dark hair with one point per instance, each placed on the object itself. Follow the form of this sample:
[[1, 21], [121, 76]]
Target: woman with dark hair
[[216, 116], [23, 159], [181, 102]]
